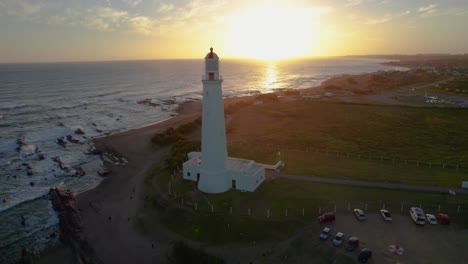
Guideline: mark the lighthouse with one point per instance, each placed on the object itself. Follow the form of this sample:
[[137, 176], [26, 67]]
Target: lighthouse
[[214, 152], [214, 171]]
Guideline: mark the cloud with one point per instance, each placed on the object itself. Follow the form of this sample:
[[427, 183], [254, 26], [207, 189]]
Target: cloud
[[427, 10], [353, 2], [132, 2], [21, 8], [432, 10], [386, 18]]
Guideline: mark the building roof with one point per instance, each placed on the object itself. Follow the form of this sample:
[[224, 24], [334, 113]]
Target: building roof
[[248, 167], [211, 55]]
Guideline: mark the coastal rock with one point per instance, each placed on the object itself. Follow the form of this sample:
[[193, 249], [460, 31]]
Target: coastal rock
[[71, 226], [103, 171], [71, 139], [21, 142], [41, 157], [79, 131], [61, 141], [94, 151], [79, 171], [148, 102]]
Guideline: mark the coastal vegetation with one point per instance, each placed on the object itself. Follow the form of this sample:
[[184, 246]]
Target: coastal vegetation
[[182, 253], [173, 135], [415, 145]]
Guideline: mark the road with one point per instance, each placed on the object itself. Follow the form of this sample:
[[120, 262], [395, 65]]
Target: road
[[386, 185]]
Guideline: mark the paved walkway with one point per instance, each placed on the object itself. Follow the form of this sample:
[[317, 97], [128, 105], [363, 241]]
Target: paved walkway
[[386, 185]]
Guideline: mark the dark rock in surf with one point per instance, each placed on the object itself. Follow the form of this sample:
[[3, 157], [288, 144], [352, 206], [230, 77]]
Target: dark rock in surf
[[61, 141], [79, 131]]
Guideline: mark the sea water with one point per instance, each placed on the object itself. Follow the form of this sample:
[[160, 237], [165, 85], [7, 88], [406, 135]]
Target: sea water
[[41, 102]]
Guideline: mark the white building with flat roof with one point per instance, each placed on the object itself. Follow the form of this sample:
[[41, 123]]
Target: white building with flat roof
[[211, 168]]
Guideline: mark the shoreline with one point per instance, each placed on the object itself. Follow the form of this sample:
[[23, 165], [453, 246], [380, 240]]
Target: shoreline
[[120, 194]]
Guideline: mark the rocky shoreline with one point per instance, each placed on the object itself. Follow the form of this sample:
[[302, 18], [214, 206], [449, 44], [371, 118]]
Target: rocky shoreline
[[70, 226]]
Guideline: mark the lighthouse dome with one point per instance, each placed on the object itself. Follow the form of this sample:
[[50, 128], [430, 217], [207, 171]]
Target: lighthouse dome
[[211, 55]]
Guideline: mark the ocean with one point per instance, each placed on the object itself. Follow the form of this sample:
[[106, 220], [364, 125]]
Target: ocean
[[42, 102]]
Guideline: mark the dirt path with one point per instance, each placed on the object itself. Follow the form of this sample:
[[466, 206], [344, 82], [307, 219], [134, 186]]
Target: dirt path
[[386, 185]]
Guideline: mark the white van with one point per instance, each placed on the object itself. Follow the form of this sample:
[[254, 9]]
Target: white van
[[418, 215]]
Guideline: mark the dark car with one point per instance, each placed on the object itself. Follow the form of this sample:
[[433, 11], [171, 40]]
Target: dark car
[[365, 255], [352, 244], [327, 217], [443, 219]]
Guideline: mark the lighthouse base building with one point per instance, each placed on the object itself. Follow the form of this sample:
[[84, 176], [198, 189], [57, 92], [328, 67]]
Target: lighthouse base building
[[214, 171], [241, 174]]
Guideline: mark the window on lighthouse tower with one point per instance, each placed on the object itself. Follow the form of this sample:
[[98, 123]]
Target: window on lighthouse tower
[[211, 76]]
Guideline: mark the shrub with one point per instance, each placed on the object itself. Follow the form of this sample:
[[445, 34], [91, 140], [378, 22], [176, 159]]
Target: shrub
[[179, 151], [182, 253]]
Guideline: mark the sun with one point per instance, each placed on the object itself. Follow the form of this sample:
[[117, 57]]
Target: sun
[[273, 33]]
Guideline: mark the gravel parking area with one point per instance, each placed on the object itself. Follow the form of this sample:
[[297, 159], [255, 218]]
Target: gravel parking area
[[421, 244]]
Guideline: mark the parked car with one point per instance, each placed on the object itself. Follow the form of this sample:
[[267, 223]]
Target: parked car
[[338, 239], [327, 217], [352, 244], [365, 255], [443, 219], [325, 233], [386, 215], [431, 219], [417, 214], [359, 214]]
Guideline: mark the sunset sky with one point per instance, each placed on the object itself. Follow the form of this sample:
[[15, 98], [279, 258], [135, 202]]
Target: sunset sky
[[83, 30]]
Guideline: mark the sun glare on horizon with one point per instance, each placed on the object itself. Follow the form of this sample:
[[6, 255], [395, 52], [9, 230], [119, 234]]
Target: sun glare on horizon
[[274, 33]]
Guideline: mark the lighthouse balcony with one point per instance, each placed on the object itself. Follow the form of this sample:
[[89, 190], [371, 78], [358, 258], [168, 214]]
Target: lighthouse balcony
[[212, 77]]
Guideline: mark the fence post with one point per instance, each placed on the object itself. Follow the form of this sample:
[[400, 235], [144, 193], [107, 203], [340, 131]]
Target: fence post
[[182, 200], [212, 209], [366, 206], [335, 208], [268, 213], [401, 210], [430, 165], [417, 163], [303, 213], [458, 209], [457, 167], [196, 206], [393, 161], [169, 188], [405, 162], [420, 205], [438, 210], [230, 210], [248, 211]]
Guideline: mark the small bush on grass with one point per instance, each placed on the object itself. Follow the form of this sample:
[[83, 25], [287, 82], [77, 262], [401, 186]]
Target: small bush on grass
[[179, 151], [182, 253]]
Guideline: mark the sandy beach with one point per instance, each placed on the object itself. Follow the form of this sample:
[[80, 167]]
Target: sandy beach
[[109, 210]]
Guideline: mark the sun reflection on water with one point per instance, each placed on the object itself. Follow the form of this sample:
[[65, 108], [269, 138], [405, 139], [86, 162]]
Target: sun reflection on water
[[271, 77]]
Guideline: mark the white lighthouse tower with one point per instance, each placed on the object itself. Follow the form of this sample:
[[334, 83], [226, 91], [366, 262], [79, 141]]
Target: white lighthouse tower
[[214, 171], [214, 178]]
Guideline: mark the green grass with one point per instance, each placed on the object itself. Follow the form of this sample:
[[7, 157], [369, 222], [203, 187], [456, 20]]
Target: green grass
[[341, 167], [430, 134], [276, 196]]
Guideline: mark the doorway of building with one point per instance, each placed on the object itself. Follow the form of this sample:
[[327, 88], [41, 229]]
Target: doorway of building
[[234, 184], [198, 176]]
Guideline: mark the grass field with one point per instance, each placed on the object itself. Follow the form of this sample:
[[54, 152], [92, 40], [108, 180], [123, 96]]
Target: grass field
[[208, 220], [431, 136]]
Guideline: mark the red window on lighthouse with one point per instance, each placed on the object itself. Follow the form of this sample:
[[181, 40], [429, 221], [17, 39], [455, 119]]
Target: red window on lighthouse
[[211, 76]]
